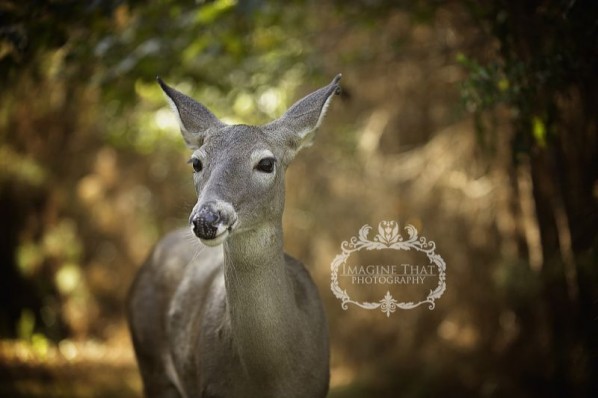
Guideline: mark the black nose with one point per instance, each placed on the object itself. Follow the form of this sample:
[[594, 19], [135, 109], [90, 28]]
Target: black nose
[[205, 221]]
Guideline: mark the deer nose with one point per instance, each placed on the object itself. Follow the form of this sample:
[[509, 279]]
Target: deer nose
[[210, 220], [205, 222], [211, 217], [213, 221]]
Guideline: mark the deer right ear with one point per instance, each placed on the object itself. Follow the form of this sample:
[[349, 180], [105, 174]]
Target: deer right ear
[[297, 126], [195, 120]]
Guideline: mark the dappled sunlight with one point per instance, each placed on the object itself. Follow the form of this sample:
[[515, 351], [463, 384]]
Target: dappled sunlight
[[459, 334], [86, 368]]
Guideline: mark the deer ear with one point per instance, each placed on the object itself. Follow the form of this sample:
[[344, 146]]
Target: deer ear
[[195, 120], [297, 126]]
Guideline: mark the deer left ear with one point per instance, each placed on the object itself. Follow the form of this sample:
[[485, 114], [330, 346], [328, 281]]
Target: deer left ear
[[195, 120], [296, 128]]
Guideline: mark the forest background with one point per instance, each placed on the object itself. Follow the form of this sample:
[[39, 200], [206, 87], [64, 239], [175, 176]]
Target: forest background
[[473, 121]]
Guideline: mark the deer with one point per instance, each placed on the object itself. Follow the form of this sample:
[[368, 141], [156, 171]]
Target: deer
[[218, 309]]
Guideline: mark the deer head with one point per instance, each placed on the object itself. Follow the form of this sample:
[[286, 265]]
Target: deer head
[[239, 169]]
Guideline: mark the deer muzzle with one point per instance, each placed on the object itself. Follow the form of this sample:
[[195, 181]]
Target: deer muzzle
[[212, 222]]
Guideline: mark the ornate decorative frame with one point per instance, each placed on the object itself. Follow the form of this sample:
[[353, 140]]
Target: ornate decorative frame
[[388, 237]]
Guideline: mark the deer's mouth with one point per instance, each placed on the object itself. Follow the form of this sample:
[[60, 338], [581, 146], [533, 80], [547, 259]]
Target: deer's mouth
[[222, 233], [217, 240]]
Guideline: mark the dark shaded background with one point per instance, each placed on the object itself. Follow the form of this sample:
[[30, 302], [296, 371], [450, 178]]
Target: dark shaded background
[[473, 121]]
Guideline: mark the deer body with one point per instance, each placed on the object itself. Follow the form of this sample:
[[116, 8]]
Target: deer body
[[229, 314]]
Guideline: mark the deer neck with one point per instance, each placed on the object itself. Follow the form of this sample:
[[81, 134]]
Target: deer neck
[[260, 298]]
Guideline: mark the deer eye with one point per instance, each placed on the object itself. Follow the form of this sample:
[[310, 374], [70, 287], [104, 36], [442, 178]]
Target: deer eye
[[266, 165], [196, 163]]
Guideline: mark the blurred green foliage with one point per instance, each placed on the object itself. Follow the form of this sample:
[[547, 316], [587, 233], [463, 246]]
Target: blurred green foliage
[[547, 49]]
